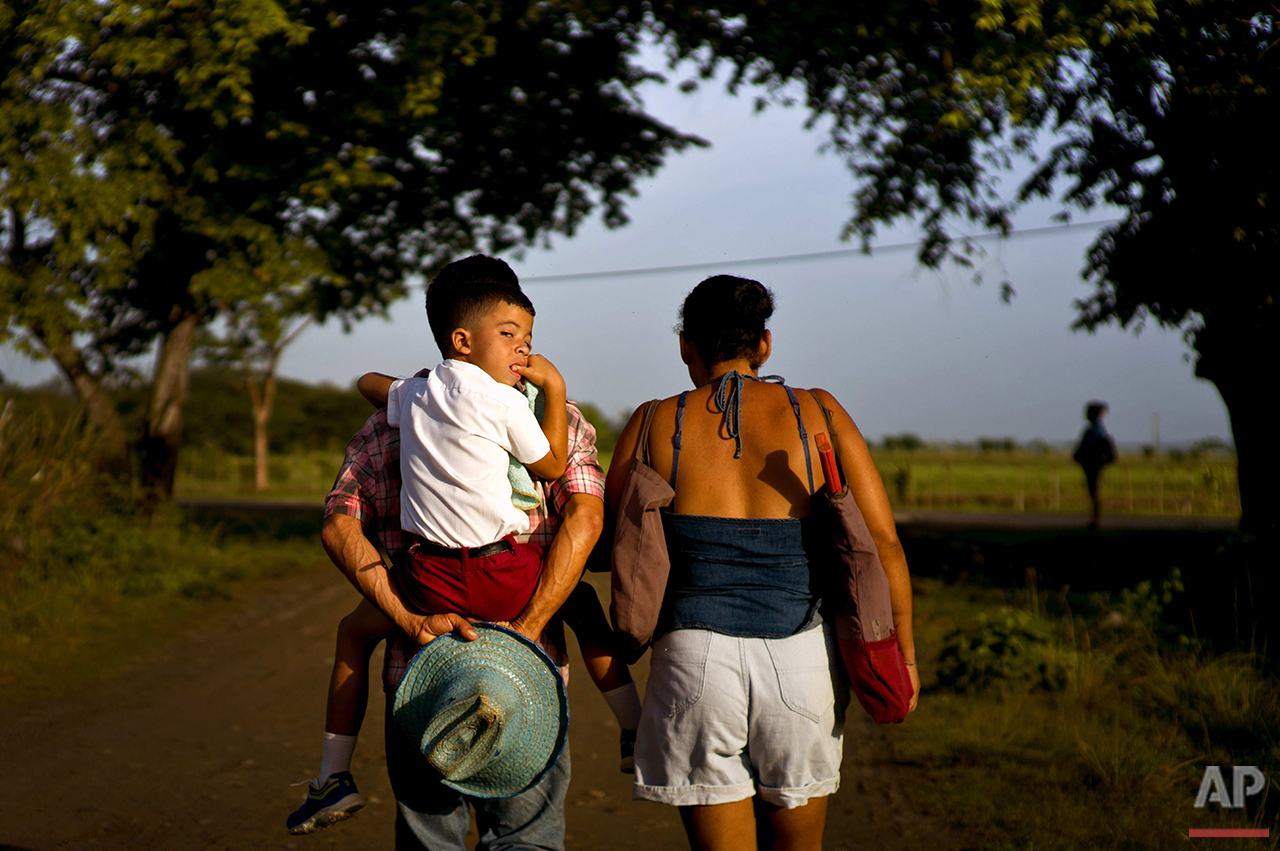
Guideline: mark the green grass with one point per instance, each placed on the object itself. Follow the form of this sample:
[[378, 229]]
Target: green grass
[[95, 592], [1087, 731], [91, 579], [1021, 480], [206, 473], [930, 479]]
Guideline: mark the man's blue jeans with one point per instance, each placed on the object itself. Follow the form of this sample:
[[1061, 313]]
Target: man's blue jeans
[[433, 816]]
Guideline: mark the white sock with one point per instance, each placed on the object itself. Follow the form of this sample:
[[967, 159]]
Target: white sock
[[336, 756], [625, 703]]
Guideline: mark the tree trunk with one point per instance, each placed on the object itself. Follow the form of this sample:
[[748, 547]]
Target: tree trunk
[[104, 421], [1242, 361], [260, 482], [162, 431], [263, 404]]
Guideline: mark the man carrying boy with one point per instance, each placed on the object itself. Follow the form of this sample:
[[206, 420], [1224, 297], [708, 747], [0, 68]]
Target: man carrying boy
[[365, 505]]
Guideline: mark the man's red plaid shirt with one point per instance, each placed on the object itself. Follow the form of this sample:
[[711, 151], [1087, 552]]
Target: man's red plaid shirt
[[368, 489]]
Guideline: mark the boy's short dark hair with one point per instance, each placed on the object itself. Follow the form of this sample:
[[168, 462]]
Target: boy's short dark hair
[[464, 290], [1094, 409]]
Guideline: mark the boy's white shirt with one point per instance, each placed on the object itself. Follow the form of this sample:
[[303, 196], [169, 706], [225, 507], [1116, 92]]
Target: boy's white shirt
[[456, 427]]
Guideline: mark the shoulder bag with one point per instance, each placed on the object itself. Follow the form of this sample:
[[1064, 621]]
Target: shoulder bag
[[858, 601], [639, 560]]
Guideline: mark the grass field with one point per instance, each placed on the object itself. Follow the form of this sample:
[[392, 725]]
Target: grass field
[[86, 568], [1021, 480], [1048, 726], [941, 479]]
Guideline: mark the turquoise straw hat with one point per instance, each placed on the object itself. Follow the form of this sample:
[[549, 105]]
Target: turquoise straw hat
[[490, 715]]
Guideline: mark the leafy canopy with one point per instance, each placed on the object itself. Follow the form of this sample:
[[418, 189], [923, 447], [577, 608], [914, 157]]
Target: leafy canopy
[[161, 160], [1162, 109]]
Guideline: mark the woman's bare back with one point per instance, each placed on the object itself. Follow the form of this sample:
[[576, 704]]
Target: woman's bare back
[[767, 481]]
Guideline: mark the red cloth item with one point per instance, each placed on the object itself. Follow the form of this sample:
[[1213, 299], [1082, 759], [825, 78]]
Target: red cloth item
[[493, 588], [879, 676]]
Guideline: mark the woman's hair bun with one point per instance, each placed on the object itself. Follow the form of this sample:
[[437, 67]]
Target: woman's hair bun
[[724, 318]]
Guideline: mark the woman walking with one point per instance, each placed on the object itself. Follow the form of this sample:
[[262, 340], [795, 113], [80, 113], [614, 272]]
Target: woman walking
[[742, 726]]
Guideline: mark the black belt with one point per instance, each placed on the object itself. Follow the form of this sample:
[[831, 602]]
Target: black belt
[[427, 548]]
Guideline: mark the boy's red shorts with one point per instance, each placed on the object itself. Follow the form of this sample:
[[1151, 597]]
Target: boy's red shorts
[[493, 588]]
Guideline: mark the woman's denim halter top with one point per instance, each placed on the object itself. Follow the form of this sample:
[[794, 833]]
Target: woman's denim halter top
[[743, 577]]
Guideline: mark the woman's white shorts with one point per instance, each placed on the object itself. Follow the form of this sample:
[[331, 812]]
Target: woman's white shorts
[[728, 718]]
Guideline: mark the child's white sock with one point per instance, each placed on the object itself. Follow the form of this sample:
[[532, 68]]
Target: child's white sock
[[336, 756], [625, 703]]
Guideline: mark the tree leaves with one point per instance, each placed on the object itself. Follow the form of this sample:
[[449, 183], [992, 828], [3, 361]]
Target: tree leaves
[[168, 163]]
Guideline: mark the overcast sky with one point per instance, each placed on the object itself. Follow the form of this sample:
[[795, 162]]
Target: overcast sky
[[904, 349]]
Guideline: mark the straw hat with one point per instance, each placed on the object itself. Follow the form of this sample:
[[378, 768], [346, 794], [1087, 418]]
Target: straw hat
[[490, 715]]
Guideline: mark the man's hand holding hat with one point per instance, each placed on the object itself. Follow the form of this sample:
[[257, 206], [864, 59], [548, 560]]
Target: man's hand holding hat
[[427, 628]]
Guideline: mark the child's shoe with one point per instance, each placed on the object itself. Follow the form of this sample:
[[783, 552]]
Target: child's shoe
[[627, 744], [338, 800]]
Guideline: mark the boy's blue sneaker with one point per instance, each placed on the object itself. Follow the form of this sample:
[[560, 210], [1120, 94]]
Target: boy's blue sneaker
[[338, 800]]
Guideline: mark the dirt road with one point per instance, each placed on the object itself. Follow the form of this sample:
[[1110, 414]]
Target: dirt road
[[196, 750]]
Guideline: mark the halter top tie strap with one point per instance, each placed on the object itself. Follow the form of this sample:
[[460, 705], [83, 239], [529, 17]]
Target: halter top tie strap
[[728, 401]]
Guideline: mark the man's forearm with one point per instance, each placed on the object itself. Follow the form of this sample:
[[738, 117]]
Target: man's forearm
[[345, 542], [566, 558]]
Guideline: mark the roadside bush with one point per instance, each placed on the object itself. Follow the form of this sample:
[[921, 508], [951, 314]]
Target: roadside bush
[[907, 441], [1137, 615], [81, 558], [1089, 729], [997, 444], [1013, 649]]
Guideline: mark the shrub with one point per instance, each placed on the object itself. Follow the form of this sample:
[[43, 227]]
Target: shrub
[[1114, 759], [80, 554], [906, 441], [1013, 649]]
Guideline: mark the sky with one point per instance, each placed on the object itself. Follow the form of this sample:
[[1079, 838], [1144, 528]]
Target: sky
[[903, 348]]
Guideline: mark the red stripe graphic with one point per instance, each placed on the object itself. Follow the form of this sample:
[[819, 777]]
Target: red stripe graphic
[[1227, 833]]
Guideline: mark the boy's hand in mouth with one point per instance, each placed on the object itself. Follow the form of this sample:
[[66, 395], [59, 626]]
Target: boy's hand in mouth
[[541, 372]]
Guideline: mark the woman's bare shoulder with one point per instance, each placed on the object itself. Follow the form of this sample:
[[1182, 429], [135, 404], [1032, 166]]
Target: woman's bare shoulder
[[841, 419], [826, 397], [665, 410], [664, 416], [665, 406]]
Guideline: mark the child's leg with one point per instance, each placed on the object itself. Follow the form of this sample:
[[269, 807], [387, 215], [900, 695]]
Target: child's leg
[[584, 615], [333, 796], [358, 634]]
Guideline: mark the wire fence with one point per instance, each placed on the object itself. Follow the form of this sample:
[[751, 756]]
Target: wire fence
[[952, 480], [1052, 482]]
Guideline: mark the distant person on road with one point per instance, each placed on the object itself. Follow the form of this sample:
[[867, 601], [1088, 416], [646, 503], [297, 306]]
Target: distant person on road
[[743, 719], [365, 505], [1096, 450]]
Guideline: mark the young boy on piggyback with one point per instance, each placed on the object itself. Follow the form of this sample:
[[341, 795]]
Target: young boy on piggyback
[[464, 429]]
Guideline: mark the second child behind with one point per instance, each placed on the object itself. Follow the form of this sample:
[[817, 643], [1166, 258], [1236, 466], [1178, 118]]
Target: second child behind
[[459, 427]]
